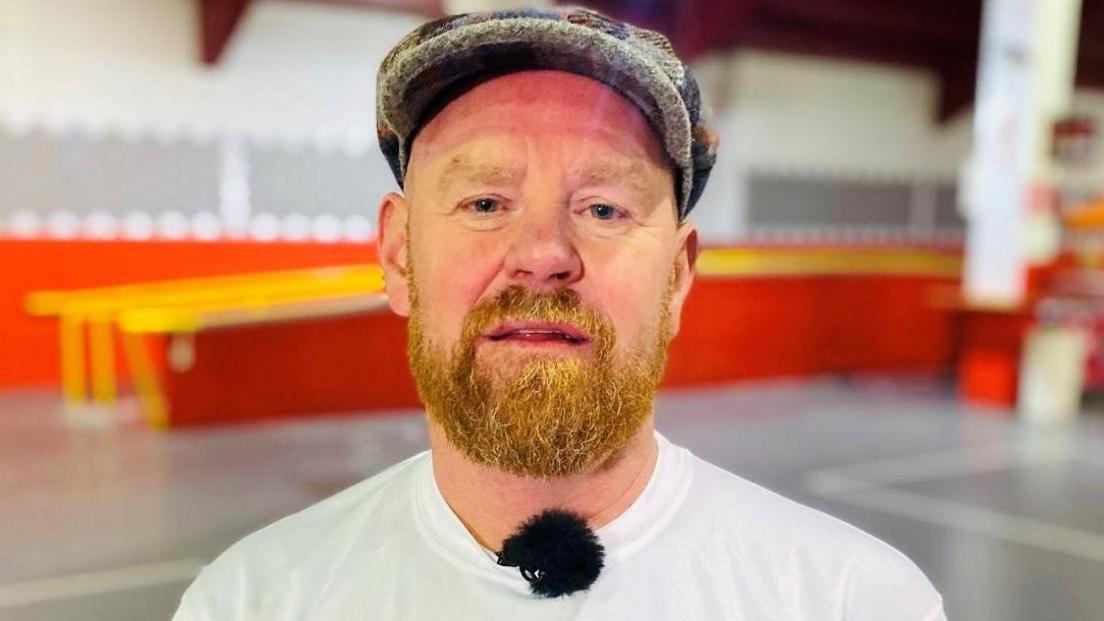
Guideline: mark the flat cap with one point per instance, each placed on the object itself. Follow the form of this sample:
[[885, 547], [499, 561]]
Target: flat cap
[[442, 59]]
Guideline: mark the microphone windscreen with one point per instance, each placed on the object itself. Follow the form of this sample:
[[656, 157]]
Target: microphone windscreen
[[557, 553]]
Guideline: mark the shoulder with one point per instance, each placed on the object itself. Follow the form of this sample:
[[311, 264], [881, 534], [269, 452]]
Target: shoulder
[[305, 546], [867, 578], [334, 519], [746, 508]]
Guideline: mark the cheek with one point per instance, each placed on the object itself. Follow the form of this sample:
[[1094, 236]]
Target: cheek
[[632, 303], [452, 276]]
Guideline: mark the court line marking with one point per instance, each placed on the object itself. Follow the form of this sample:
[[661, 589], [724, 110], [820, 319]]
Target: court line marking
[[961, 516], [842, 485], [953, 463], [97, 582]]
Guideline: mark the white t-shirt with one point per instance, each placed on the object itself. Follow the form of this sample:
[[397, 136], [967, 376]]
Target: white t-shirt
[[699, 543]]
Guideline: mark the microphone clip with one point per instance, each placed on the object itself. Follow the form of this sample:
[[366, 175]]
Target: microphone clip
[[556, 553]]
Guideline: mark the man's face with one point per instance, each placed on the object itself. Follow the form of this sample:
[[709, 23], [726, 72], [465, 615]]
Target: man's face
[[540, 258]]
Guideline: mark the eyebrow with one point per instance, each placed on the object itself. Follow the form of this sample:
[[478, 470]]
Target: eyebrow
[[496, 174], [633, 174]]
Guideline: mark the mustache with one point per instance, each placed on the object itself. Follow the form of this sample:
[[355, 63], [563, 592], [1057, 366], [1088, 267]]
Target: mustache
[[536, 416], [518, 303]]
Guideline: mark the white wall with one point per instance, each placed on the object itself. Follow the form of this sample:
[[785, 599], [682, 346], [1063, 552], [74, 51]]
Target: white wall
[[294, 69], [794, 112], [810, 116], [296, 76], [304, 74]]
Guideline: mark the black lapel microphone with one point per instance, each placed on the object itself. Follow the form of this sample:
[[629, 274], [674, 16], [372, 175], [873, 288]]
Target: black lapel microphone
[[556, 552]]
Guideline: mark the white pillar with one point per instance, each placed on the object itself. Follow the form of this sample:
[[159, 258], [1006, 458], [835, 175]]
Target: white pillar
[[1025, 82]]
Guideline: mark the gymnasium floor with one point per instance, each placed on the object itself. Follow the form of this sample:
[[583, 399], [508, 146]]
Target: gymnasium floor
[[1007, 521]]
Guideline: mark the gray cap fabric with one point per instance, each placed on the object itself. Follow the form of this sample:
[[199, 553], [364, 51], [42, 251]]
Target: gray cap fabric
[[441, 60]]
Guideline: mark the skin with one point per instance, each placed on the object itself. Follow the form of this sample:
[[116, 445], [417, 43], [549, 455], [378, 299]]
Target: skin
[[548, 180]]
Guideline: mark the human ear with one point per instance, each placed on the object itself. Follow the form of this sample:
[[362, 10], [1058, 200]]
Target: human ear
[[393, 248], [683, 271]]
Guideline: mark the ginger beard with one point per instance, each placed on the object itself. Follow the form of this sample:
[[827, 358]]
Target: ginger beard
[[551, 415]]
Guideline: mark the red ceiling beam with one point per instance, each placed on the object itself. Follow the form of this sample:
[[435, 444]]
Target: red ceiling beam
[[957, 87], [1090, 52], [428, 8], [912, 22], [1090, 74], [694, 27], [218, 19], [785, 36]]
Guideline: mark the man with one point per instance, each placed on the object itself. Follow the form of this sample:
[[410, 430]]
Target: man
[[541, 252]]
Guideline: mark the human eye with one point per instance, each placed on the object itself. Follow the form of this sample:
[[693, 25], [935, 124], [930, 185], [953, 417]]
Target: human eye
[[486, 212], [605, 211], [484, 206]]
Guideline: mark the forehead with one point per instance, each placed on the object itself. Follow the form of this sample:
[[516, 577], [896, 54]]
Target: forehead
[[550, 106]]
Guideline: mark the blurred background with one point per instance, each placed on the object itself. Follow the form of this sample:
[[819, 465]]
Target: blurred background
[[898, 319]]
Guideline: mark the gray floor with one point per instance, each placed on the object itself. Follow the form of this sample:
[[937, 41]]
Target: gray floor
[[1007, 520]]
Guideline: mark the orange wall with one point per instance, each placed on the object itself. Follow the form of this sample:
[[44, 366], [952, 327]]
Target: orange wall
[[735, 328], [28, 347], [732, 327], [355, 363]]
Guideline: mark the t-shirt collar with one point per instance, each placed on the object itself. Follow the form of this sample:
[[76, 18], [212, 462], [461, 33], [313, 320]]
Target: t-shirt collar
[[626, 534]]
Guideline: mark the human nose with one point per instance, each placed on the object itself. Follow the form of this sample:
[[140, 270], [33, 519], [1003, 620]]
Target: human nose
[[543, 254]]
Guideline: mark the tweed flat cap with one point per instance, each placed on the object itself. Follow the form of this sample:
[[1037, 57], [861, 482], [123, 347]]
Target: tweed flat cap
[[442, 59]]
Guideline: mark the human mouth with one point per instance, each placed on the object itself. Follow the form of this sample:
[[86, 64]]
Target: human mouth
[[538, 333]]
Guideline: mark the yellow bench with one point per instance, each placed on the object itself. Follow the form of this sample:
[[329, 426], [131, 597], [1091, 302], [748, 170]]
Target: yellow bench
[[183, 307]]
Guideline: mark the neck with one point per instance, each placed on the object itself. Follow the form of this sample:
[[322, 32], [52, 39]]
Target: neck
[[493, 503]]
